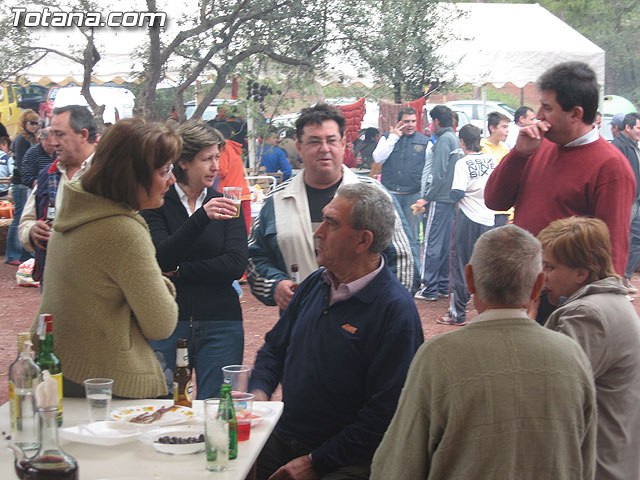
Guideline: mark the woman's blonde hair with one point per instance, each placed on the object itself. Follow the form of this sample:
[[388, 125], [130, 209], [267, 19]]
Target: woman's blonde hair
[[196, 136], [27, 116], [580, 242]]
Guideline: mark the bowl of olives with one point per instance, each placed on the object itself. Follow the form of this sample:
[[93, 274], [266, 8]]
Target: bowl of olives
[[178, 440]]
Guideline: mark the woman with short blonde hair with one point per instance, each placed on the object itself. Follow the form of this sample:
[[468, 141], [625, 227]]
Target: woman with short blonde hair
[[201, 245], [594, 311]]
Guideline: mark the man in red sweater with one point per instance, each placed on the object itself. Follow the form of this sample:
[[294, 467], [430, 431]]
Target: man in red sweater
[[561, 166]]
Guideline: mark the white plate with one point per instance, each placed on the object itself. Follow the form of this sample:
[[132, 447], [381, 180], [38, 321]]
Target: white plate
[[174, 417], [261, 413], [151, 436], [102, 433]]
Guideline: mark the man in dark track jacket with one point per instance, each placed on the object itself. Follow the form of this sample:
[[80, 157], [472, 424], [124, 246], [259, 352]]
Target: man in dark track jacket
[[441, 207], [402, 154], [627, 143], [341, 349]]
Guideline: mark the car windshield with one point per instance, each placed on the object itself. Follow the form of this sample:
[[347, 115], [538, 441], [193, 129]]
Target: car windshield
[[210, 112], [506, 107]]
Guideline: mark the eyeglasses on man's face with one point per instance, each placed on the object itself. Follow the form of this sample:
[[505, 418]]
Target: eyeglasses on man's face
[[316, 143]]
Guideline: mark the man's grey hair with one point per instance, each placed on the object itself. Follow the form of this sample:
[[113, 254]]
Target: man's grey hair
[[44, 133], [80, 118], [506, 262], [372, 210]]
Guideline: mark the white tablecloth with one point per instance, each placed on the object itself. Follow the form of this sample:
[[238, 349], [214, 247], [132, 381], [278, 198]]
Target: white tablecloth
[[136, 460]]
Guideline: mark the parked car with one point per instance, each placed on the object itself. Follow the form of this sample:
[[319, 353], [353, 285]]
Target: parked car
[[474, 109], [31, 96], [9, 110], [463, 118], [118, 101], [212, 109], [46, 107]]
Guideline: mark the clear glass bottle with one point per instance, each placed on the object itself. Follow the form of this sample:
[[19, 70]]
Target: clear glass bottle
[[24, 376], [227, 413], [51, 462]]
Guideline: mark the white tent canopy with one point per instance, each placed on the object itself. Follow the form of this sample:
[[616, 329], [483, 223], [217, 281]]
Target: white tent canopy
[[489, 51]]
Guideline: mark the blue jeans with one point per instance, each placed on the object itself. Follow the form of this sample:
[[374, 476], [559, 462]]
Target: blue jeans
[[14, 249], [634, 240], [464, 236], [437, 246], [212, 345], [413, 221]]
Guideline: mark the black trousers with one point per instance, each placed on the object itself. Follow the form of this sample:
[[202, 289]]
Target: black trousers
[[279, 451]]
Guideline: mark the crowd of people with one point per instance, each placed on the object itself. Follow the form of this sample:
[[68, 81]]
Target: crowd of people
[[136, 247]]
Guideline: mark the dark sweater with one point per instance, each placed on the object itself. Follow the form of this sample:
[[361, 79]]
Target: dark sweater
[[211, 255], [34, 160], [19, 147], [342, 367]]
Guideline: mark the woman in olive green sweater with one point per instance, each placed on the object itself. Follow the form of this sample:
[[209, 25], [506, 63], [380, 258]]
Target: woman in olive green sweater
[[102, 283]]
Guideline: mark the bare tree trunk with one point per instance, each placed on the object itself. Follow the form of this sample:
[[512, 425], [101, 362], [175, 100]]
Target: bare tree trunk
[[90, 58], [153, 72], [397, 92]]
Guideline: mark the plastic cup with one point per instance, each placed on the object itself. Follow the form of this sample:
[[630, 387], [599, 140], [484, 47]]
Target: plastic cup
[[99, 392], [239, 375], [234, 194], [243, 406], [216, 437]]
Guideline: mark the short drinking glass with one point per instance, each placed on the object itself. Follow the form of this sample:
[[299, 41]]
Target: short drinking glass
[[234, 194], [239, 376], [243, 406], [98, 392]]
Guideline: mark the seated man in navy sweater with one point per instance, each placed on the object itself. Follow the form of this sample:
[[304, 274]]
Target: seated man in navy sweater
[[341, 349]]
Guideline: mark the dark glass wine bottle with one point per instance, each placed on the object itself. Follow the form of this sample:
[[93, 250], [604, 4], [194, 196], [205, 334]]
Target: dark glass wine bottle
[[47, 360]]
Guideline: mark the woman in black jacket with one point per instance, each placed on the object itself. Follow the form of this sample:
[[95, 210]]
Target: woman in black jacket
[[27, 137], [202, 246]]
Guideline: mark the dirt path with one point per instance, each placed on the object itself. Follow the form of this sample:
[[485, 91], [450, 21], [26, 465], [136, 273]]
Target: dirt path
[[18, 307]]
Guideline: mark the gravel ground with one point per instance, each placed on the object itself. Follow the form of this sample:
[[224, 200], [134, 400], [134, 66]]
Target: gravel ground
[[18, 306]]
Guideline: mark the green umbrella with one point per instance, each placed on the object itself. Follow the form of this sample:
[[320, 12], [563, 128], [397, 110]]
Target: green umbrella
[[614, 104]]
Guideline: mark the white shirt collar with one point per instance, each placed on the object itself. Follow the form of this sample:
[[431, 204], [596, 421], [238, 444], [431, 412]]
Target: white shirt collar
[[586, 139], [83, 168], [185, 200], [348, 290]]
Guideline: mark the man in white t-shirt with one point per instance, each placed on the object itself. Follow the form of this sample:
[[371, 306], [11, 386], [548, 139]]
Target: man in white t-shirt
[[523, 117], [473, 218]]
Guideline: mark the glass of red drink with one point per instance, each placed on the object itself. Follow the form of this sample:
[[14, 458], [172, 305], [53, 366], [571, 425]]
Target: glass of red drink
[[243, 405]]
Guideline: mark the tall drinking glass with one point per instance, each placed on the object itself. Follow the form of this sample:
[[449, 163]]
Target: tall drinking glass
[[216, 437]]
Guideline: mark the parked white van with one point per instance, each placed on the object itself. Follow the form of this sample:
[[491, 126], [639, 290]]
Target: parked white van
[[118, 101]]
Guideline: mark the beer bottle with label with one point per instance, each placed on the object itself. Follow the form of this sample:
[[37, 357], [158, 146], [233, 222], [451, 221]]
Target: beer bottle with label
[[295, 277], [227, 413], [24, 376], [51, 213], [46, 359], [182, 376]]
